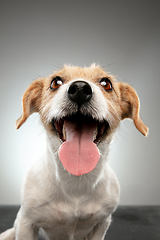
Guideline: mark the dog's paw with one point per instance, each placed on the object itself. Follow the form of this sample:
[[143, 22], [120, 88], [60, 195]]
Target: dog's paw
[[8, 235]]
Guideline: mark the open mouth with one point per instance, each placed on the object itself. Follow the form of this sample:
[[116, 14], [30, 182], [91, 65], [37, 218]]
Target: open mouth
[[79, 120], [80, 136]]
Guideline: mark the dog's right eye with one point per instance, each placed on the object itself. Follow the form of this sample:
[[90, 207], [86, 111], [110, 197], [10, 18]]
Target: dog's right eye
[[56, 83], [106, 84]]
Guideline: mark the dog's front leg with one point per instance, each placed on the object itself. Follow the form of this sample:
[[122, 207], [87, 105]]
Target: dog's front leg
[[22, 230], [99, 230], [25, 230]]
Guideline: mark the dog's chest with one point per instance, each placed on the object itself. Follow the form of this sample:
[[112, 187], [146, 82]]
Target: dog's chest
[[76, 218], [76, 210]]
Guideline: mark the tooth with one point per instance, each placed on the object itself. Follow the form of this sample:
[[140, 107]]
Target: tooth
[[64, 132], [95, 134]]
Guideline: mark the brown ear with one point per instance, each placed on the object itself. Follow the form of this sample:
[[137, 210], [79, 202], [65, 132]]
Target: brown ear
[[130, 106], [31, 101]]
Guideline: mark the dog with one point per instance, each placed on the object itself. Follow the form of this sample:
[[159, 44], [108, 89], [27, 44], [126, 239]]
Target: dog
[[71, 192]]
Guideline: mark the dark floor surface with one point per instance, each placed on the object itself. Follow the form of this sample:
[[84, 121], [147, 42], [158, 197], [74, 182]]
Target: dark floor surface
[[128, 223]]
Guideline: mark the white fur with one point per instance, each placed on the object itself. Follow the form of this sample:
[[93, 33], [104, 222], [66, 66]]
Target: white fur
[[64, 206]]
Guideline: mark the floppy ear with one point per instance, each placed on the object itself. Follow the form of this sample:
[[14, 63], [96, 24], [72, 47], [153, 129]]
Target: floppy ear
[[130, 106], [31, 101]]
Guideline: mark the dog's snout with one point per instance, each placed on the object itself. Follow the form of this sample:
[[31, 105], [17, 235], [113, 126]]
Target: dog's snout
[[80, 92]]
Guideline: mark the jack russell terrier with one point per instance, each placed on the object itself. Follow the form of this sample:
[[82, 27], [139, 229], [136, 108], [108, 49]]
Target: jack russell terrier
[[71, 192]]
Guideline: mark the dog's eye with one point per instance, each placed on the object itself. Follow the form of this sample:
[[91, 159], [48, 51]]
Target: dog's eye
[[106, 84], [56, 83]]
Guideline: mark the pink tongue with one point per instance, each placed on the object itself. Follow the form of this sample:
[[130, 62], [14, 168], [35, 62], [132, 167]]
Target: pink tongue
[[79, 154]]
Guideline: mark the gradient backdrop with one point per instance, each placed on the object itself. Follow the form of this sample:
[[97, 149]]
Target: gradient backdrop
[[37, 37]]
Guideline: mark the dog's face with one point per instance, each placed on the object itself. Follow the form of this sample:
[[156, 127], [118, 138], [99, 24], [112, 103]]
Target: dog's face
[[81, 108]]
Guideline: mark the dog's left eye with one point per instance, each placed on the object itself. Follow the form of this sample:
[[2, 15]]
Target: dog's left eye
[[56, 83], [106, 84]]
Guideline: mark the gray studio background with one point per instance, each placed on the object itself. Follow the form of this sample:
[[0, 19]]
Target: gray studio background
[[37, 37]]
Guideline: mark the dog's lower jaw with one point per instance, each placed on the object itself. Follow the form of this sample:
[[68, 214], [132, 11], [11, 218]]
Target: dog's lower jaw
[[78, 148], [76, 184]]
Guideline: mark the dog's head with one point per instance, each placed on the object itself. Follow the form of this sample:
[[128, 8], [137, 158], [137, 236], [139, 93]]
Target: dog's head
[[81, 107]]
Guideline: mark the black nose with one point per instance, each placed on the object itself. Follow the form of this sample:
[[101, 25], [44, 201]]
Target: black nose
[[80, 92]]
